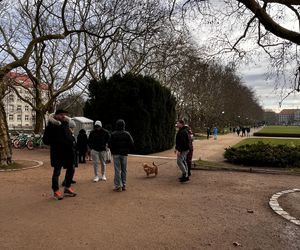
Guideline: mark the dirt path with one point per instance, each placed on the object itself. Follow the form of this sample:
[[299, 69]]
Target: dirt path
[[209, 212]]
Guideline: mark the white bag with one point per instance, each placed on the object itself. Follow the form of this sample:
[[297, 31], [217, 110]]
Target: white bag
[[107, 156]]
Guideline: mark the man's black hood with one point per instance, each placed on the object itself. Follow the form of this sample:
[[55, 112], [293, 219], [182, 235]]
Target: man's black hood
[[120, 125]]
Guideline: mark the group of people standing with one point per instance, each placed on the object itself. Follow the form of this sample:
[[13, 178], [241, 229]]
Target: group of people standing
[[243, 131], [65, 151]]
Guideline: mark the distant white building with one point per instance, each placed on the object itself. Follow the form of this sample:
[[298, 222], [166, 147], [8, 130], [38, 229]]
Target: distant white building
[[289, 117], [19, 114]]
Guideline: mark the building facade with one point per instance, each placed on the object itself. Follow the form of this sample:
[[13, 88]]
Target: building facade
[[289, 117], [19, 114]]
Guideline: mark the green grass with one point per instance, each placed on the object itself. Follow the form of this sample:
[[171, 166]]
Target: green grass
[[275, 141], [13, 165], [281, 129]]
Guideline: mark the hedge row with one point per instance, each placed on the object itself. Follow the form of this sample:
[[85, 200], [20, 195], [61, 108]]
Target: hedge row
[[262, 154], [277, 134]]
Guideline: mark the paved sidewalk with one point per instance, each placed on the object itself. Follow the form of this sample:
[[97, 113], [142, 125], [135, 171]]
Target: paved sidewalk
[[209, 150]]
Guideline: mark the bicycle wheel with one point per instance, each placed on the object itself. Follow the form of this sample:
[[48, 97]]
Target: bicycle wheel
[[16, 143], [29, 144]]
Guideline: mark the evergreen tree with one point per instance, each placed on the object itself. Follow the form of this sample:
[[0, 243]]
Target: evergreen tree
[[147, 107]]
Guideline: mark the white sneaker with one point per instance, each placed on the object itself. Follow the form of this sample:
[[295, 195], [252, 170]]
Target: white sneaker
[[103, 178], [96, 179]]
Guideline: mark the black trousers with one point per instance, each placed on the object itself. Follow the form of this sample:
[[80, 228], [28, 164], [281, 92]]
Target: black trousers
[[56, 174], [81, 156]]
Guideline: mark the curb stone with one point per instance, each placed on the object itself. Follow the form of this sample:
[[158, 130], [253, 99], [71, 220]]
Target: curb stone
[[278, 209], [38, 164]]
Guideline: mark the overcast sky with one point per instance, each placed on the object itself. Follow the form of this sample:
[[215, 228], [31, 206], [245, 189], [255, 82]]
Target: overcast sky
[[269, 91], [268, 94]]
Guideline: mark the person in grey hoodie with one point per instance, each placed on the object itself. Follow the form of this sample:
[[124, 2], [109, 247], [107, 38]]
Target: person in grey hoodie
[[120, 144]]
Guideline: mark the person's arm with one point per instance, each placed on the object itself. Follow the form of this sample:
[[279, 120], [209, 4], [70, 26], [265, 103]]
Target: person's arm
[[47, 136]]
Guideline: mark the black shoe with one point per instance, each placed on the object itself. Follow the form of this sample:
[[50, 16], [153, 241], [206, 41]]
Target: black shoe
[[73, 182], [182, 177], [185, 179], [189, 174]]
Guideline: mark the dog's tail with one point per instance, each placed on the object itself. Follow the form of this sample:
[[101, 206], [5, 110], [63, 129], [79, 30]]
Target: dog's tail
[[154, 164]]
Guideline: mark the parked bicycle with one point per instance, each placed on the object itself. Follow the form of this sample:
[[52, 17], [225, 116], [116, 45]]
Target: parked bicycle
[[21, 141], [36, 141]]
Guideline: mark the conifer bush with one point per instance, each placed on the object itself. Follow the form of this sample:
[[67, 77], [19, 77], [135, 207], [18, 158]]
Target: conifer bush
[[147, 107]]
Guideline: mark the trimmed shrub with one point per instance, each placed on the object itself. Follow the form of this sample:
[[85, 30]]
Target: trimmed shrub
[[276, 134], [147, 107], [262, 154]]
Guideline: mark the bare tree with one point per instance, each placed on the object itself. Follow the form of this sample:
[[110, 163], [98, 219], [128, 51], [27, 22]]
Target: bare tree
[[49, 41]]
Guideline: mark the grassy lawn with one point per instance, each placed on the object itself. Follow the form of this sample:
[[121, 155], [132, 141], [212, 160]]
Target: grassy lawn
[[275, 141], [281, 130]]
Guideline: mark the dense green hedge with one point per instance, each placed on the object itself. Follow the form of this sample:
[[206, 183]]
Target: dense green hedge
[[261, 154], [147, 107], [277, 134]]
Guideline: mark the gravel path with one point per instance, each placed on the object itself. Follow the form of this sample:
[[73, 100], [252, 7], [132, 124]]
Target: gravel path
[[215, 210]]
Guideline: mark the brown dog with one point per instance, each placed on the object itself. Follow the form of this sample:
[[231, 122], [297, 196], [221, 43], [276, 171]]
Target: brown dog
[[150, 169]]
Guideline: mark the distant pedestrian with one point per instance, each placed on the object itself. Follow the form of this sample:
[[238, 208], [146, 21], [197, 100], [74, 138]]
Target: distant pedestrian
[[82, 145], [238, 131], [120, 144], [189, 157], [215, 133], [58, 135], [182, 149], [243, 131], [98, 141], [248, 131], [207, 133]]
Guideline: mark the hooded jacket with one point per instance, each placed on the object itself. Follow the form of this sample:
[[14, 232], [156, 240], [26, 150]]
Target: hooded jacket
[[121, 141], [98, 139], [182, 140], [58, 135]]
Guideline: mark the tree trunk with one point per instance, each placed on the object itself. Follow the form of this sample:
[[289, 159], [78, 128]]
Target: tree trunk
[[39, 121], [5, 145]]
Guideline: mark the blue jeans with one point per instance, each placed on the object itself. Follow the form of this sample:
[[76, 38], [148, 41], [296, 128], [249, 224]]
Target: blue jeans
[[181, 162], [120, 165]]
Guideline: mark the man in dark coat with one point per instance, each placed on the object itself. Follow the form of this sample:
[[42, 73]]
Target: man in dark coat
[[120, 144], [182, 149], [59, 137]]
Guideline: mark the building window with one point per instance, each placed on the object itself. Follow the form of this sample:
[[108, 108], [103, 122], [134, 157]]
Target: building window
[[11, 98], [26, 108], [26, 117], [19, 108], [11, 117], [33, 118], [11, 108], [19, 118], [18, 99]]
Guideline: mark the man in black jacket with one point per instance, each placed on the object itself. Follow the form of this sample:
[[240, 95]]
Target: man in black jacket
[[58, 136], [120, 144], [97, 141], [182, 149]]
